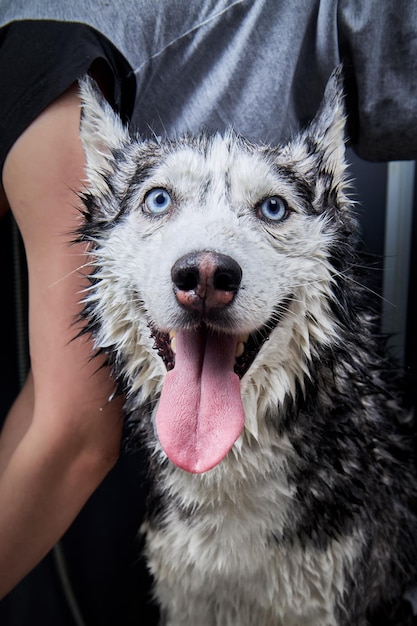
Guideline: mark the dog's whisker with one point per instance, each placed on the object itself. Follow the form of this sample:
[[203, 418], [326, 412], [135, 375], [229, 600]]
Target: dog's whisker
[[350, 278], [77, 270]]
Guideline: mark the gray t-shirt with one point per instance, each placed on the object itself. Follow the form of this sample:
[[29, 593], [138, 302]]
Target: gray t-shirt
[[259, 65]]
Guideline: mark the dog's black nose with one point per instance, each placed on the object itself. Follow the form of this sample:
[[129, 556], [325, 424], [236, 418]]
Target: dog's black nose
[[205, 280]]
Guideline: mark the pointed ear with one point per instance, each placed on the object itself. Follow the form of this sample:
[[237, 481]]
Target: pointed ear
[[101, 132], [318, 152], [327, 130]]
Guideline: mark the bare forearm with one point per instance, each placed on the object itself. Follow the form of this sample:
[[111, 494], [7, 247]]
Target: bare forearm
[[42, 489], [17, 423], [62, 436]]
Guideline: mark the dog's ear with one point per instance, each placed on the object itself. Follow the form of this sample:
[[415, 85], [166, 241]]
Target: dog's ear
[[327, 130], [101, 131], [318, 152]]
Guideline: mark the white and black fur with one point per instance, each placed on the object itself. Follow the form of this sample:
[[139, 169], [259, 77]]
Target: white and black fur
[[310, 519]]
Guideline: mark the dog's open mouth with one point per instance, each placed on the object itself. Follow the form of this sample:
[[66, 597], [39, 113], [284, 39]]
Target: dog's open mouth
[[200, 413], [247, 346]]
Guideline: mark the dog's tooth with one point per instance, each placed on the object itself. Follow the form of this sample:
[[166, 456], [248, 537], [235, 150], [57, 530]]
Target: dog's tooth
[[240, 348], [173, 343]]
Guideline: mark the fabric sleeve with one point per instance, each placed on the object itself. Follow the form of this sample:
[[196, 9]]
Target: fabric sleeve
[[40, 59], [378, 46]]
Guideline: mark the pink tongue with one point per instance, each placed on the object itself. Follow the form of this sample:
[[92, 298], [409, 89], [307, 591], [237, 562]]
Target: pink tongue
[[200, 413]]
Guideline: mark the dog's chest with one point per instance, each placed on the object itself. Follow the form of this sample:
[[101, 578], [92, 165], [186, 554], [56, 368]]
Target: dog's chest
[[223, 559]]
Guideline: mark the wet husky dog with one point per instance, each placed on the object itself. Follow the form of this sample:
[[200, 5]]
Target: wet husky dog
[[226, 293]]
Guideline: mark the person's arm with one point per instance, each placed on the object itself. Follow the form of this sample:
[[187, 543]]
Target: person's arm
[[62, 435]]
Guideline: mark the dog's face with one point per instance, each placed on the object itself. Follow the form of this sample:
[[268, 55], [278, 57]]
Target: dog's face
[[213, 269]]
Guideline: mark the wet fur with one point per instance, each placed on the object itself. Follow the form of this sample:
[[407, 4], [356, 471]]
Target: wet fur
[[310, 519]]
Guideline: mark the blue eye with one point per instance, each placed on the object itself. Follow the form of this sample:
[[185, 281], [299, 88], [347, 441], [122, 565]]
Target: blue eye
[[273, 208], [157, 201]]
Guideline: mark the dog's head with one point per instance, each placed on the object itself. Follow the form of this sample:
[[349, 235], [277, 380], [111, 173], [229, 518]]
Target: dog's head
[[215, 269]]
